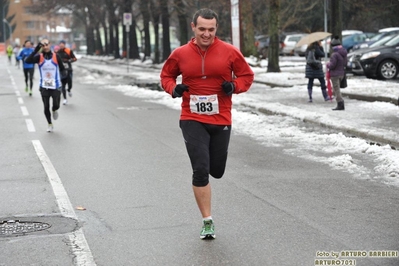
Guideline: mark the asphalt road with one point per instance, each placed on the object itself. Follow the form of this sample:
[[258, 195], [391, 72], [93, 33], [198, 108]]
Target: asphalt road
[[123, 160]]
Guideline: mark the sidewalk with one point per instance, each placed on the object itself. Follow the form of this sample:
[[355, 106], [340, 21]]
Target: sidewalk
[[371, 113]]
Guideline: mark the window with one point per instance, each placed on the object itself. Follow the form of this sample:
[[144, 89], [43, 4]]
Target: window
[[30, 24]]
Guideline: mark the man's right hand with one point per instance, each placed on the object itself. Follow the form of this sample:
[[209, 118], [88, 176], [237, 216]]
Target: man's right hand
[[38, 47], [179, 90]]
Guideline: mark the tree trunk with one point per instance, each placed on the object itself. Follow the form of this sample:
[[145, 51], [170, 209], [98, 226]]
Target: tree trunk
[[165, 30], [99, 45], [274, 44], [247, 28], [156, 14], [90, 40], [117, 54], [106, 42], [134, 48], [111, 40], [146, 23], [183, 24], [336, 18]]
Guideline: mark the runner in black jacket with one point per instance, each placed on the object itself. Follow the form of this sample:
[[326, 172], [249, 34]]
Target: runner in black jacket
[[68, 57]]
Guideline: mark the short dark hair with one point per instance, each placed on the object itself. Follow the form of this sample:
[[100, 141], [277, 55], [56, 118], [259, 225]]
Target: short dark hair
[[206, 13]]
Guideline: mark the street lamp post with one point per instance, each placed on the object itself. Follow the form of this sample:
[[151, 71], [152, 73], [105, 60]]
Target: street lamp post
[[9, 27], [4, 27]]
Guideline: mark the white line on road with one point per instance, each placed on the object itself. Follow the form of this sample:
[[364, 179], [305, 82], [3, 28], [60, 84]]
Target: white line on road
[[30, 125], [80, 247], [20, 100], [18, 93], [24, 111]]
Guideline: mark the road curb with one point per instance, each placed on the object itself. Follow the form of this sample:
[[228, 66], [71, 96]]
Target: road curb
[[369, 98]]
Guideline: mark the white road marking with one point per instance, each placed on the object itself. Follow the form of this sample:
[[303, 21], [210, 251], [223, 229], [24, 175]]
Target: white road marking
[[30, 125], [79, 246], [24, 111], [18, 93], [20, 100]]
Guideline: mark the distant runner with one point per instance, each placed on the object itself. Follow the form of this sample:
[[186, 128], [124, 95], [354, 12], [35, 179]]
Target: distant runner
[[68, 57], [50, 66], [29, 69]]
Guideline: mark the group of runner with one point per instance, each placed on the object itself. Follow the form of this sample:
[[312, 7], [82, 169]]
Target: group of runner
[[55, 67]]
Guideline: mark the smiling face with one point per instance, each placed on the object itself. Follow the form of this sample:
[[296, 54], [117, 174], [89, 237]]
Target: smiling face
[[204, 31]]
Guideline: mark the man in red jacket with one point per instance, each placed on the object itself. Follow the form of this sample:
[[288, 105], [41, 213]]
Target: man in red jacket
[[212, 71]]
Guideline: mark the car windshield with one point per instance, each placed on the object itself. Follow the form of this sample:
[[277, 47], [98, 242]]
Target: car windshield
[[383, 41], [394, 41], [377, 37], [346, 37]]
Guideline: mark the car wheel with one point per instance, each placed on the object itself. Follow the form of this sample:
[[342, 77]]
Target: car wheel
[[388, 69]]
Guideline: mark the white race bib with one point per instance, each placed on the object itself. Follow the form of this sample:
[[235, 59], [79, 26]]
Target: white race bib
[[49, 83], [204, 104]]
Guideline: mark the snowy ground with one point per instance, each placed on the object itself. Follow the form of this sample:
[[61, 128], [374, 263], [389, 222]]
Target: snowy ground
[[328, 139]]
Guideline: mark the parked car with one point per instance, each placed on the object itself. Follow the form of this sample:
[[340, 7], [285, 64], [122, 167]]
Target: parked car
[[377, 37], [351, 40], [262, 45], [354, 65], [290, 41], [382, 62], [326, 43]]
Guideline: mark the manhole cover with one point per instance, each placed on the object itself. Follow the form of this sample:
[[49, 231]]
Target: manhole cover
[[16, 227]]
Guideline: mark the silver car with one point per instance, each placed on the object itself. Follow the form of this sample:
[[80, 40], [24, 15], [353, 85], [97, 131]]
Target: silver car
[[289, 43]]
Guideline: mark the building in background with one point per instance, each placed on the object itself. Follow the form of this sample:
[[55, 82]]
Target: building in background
[[54, 26]]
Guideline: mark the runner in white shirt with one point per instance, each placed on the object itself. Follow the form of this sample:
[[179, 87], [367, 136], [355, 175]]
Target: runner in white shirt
[[50, 66]]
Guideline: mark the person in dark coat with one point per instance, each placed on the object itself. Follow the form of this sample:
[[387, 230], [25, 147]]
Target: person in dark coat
[[312, 73], [336, 66]]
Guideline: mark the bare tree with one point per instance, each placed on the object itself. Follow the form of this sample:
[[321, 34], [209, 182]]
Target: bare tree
[[336, 15], [145, 15], [183, 23], [165, 30], [274, 44], [156, 16], [247, 28]]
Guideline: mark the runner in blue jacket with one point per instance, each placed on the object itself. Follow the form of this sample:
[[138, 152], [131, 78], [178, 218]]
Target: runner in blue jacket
[[29, 69]]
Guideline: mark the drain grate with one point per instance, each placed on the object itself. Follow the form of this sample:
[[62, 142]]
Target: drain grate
[[16, 227]]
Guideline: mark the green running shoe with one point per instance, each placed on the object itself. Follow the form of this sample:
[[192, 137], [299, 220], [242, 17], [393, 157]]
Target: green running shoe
[[208, 230], [26, 88]]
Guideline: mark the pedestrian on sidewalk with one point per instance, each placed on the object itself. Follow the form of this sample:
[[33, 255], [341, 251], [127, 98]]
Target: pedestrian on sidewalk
[[29, 69], [336, 66], [50, 66], [212, 71], [68, 57], [315, 71]]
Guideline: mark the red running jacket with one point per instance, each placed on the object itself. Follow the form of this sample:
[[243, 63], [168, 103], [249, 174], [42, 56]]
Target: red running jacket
[[204, 72]]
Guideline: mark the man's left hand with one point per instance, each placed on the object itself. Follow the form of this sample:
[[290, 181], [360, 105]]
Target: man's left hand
[[228, 87]]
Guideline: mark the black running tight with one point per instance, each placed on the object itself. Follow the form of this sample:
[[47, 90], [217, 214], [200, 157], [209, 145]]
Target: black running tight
[[46, 95]]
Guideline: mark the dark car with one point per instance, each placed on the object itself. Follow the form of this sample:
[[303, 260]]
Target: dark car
[[382, 62], [354, 65], [349, 41], [375, 38], [262, 45]]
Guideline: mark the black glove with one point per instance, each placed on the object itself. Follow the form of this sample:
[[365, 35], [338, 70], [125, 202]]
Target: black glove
[[228, 87], [179, 89], [38, 47]]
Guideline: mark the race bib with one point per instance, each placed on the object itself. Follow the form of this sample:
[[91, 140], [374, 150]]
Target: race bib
[[204, 104], [49, 83]]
